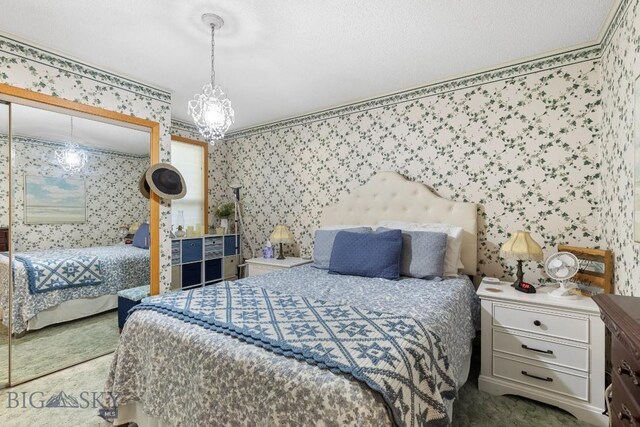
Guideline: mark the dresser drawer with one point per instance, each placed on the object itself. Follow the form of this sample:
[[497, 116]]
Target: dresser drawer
[[626, 372], [551, 324], [570, 356], [191, 250], [557, 381], [624, 415]]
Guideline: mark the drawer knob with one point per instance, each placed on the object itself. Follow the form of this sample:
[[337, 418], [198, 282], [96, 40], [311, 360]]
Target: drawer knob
[[525, 373], [537, 322], [625, 369]]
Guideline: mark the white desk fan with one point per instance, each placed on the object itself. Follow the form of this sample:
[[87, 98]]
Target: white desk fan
[[561, 267]]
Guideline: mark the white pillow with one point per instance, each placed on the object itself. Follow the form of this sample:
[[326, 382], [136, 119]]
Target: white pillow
[[344, 227], [452, 261]]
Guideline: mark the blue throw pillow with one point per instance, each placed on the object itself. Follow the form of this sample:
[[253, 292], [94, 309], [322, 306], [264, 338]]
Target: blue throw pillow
[[423, 253], [367, 255], [141, 238], [323, 245]]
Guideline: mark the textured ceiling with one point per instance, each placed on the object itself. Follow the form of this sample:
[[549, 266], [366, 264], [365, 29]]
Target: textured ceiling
[[281, 58]]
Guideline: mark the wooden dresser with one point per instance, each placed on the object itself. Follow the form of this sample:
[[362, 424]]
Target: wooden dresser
[[621, 315], [4, 239]]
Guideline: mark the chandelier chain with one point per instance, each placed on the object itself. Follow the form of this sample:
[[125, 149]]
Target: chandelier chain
[[213, 45]]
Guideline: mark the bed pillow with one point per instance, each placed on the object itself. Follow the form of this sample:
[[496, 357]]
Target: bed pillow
[[345, 227], [452, 262], [423, 253], [367, 255], [141, 238], [323, 244]]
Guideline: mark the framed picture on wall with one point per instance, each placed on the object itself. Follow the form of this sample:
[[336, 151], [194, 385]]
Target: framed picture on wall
[[636, 161], [54, 200]]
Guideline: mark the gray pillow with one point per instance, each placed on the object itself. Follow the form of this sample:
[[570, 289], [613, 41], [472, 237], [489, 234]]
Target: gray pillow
[[423, 253], [323, 245]]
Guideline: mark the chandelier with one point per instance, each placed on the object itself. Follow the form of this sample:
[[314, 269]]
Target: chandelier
[[71, 158], [211, 110]]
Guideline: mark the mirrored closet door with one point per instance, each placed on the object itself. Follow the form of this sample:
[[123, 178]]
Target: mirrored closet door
[[4, 243], [76, 207]]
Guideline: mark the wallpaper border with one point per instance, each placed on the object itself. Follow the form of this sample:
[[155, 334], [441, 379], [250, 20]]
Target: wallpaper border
[[26, 51], [614, 24], [548, 62]]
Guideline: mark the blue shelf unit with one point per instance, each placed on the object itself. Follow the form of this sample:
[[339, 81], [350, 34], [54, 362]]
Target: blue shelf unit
[[199, 261]]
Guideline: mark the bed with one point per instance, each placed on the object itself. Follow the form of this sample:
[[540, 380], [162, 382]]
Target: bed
[[116, 267], [200, 376]]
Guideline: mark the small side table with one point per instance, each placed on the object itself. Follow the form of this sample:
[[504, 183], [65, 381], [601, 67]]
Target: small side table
[[258, 266]]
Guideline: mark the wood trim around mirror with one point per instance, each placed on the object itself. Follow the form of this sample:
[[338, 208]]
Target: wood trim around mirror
[[27, 97]]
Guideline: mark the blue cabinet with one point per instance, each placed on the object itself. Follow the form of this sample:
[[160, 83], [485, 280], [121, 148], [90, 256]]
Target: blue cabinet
[[198, 261]]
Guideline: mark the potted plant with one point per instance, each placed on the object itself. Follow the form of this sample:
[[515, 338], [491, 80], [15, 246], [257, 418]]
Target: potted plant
[[224, 212]]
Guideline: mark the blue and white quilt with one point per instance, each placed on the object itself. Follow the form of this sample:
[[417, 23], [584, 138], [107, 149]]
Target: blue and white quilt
[[120, 267], [396, 355], [204, 377], [46, 274]]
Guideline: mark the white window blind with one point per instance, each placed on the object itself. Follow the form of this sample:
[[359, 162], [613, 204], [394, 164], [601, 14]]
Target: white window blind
[[189, 160]]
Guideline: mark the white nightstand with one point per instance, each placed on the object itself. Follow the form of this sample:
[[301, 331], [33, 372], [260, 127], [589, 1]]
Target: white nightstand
[[544, 349], [258, 266]]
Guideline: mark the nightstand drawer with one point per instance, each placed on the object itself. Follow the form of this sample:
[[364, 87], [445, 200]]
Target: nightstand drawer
[[259, 270], [545, 378], [569, 356], [542, 322]]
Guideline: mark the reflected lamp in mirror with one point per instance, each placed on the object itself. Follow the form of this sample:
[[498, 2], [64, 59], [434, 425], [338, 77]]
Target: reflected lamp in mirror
[[281, 234], [521, 247]]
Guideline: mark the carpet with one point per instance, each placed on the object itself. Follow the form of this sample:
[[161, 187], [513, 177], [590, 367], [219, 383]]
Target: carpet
[[59, 346]]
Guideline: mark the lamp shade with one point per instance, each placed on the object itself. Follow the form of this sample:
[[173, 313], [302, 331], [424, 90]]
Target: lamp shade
[[521, 246], [281, 234]]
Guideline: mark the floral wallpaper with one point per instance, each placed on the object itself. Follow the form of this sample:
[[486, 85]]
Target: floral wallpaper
[[34, 68], [521, 141], [620, 69], [113, 199]]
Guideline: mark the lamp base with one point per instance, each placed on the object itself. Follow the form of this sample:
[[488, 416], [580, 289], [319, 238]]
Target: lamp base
[[519, 275], [280, 253]]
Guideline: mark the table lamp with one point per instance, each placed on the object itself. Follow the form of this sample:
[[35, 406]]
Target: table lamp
[[281, 234], [521, 247]]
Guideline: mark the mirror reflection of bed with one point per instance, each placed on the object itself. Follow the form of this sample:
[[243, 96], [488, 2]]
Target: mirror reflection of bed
[[74, 213]]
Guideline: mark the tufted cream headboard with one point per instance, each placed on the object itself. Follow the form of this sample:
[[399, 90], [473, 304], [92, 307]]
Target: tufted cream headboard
[[390, 196]]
